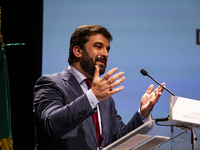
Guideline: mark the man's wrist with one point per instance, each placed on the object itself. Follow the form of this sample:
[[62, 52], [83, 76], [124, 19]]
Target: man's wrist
[[144, 119], [92, 99]]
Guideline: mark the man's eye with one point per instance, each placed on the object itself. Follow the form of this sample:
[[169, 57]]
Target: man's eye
[[98, 46]]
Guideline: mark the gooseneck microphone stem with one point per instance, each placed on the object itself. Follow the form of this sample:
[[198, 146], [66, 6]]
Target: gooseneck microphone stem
[[161, 85], [144, 72]]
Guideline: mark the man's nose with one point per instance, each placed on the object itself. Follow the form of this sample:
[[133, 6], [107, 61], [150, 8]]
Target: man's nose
[[105, 52]]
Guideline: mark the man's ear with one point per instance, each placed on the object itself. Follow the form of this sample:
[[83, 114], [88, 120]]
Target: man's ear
[[77, 51]]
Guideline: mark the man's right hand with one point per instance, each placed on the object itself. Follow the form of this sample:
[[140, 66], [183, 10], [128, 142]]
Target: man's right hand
[[103, 87]]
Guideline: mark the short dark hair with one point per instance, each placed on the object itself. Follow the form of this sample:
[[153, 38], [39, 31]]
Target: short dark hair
[[81, 36]]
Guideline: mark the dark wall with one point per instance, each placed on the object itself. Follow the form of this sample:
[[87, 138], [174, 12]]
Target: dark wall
[[22, 23]]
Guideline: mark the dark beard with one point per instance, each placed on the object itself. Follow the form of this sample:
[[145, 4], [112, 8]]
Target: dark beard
[[88, 65]]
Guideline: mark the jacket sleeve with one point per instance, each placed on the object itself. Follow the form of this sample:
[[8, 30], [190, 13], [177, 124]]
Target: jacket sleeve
[[121, 129], [57, 109]]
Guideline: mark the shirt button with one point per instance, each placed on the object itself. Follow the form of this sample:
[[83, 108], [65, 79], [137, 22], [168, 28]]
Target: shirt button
[[92, 104]]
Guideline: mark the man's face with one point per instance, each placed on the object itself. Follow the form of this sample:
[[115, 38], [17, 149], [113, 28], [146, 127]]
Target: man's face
[[95, 53]]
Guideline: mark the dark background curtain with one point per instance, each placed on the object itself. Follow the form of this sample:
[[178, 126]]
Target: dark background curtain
[[22, 23]]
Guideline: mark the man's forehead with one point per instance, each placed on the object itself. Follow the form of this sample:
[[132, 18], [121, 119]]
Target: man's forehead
[[98, 38]]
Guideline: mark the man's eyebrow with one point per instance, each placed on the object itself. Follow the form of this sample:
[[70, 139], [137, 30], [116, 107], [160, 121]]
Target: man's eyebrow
[[108, 48], [98, 43]]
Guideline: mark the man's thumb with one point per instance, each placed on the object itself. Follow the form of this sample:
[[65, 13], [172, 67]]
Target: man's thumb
[[96, 72]]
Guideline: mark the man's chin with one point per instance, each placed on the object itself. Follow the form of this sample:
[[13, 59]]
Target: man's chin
[[102, 69]]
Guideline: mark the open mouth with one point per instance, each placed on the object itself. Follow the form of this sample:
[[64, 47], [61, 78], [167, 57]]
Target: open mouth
[[101, 60]]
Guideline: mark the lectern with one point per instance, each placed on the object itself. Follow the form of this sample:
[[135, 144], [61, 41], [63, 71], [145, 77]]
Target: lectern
[[178, 131]]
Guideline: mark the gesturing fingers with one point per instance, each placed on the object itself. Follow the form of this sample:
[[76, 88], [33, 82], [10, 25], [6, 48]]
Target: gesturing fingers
[[115, 80], [113, 91], [104, 87], [150, 98], [96, 73], [109, 73], [159, 89], [150, 89], [115, 77]]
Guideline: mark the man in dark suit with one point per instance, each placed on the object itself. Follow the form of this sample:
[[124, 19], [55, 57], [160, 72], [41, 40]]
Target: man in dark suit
[[64, 105]]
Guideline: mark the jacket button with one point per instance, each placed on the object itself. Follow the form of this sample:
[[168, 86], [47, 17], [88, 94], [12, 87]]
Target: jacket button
[[84, 113], [80, 115]]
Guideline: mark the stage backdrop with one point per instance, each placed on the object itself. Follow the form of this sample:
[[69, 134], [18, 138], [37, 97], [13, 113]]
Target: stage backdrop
[[159, 36]]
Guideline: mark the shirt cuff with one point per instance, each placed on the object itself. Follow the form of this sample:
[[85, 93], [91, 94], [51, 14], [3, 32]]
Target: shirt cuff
[[92, 99], [144, 119]]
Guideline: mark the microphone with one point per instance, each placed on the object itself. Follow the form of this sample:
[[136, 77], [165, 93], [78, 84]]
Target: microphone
[[144, 72]]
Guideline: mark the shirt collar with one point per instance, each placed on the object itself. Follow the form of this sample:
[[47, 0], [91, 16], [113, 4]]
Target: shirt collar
[[78, 75]]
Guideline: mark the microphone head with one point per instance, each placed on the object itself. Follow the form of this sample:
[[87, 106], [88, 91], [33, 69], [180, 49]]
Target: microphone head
[[144, 72]]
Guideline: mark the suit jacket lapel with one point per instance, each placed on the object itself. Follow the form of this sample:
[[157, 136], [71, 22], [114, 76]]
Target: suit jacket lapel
[[71, 82], [90, 122]]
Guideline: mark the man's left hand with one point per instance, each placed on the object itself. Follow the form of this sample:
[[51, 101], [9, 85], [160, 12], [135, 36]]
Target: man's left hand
[[149, 99]]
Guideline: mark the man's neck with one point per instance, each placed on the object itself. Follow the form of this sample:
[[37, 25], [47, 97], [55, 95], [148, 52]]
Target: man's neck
[[78, 67]]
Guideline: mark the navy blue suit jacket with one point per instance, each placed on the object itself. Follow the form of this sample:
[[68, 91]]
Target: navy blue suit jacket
[[63, 116]]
